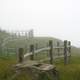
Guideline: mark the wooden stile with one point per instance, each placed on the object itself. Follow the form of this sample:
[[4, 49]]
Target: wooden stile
[[66, 48]]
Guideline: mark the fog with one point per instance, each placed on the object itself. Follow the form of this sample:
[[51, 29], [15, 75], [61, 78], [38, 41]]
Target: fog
[[55, 18]]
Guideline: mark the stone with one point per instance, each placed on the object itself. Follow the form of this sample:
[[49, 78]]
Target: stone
[[39, 71]]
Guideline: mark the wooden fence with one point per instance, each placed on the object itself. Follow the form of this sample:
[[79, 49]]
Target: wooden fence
[[62, 51]]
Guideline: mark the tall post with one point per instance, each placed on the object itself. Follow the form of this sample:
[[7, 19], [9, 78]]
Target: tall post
[[20, 55], [7, 52], [69, 50], [47, 45], [65, 52], [69, 43], [58, 50], [26, 35], [32, 50], [30, 33], [36, 46], [51, 51]]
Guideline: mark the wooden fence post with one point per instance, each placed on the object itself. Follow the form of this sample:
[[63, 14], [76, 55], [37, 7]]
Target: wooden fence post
[[7, 52], [69, 50], [58, 50], [51, 51], [21, 55], [69, 43], [65, 52], [32, 50], [36, 46], [47, 45]]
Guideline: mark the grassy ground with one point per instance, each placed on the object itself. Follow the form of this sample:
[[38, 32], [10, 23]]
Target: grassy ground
[[67, 72], [70, 71], [6, 68]]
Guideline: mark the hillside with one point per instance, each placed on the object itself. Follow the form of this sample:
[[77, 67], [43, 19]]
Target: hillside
[[25, 42], [7, 72], [14, 42], [38, 42], [3, 34]]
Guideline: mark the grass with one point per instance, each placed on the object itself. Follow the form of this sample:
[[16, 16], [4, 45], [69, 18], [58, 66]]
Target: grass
[[67, 72], [70, 71], [6, 68]]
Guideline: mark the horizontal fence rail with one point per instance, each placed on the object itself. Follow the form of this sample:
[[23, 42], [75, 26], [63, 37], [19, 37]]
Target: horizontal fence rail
[[36, 51], [55, 57], [40, 50]]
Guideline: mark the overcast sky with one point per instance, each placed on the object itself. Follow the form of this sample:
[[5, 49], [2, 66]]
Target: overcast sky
[[56, 18]]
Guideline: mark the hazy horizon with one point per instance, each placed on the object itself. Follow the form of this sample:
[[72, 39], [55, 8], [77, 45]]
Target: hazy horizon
[[58, 18]]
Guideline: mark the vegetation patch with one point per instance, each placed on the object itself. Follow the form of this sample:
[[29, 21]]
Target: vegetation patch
[[66, 72], [70, 71]]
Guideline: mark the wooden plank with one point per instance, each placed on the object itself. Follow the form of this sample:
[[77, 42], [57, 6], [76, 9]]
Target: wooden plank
[[43, 49], [27, 54], [55, 57], [58, 47]]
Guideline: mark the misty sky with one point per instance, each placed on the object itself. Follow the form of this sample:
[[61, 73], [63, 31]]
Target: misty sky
[[56, 18]]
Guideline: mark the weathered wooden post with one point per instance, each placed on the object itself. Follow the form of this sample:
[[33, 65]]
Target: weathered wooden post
[[32, 50], [0, 49], [69, 44], [69, 49], [7, 52], [58, 50], [51, 51], [21, 55], [47, 45], [65, 52], [36, 46]]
